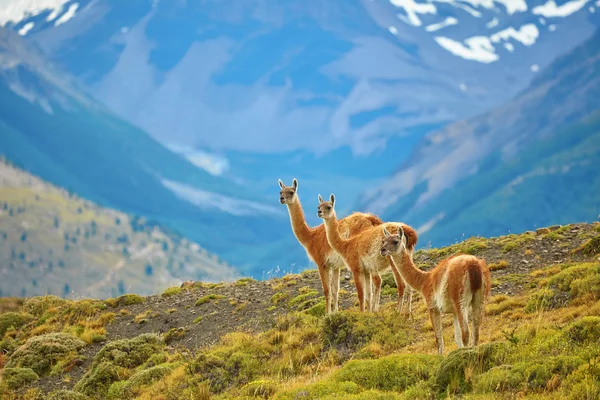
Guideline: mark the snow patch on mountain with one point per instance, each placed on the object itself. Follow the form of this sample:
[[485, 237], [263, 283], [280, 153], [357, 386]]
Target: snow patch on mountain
[[68, 15], [481, 48], [17, 11], [551, 9], [447, 22], [493, 23], [211, 163], [209, 200], [26, 28], [413, 8]]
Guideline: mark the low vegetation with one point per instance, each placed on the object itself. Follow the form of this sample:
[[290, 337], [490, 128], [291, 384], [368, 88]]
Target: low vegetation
[[540, 339]]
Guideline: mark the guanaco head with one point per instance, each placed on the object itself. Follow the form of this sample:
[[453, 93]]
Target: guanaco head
[[325, 209], [393, 243], [287, 194]]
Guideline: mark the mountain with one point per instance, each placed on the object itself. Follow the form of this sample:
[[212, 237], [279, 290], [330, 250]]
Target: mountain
[[532, 162], [52, 128], [355, 83], [53, 242], [193, 109]]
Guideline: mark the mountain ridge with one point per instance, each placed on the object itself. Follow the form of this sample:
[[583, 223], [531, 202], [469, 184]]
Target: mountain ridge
[[563, 100]]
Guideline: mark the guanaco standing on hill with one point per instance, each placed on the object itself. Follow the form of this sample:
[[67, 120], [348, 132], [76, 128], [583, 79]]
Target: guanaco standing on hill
[[361, 254], [314, 241], [459, 284]]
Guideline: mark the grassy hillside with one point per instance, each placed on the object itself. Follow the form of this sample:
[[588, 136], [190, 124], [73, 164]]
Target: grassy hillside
[[52, 242], [270, 339]]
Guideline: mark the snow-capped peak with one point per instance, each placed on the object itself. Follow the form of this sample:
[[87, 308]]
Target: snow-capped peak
[[503, 32]]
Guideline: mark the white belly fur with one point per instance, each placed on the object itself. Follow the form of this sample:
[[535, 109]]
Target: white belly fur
[[439, 298]]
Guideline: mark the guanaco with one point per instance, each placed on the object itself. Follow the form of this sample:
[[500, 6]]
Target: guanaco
[[361, 254], [314, 241], [459, 284]]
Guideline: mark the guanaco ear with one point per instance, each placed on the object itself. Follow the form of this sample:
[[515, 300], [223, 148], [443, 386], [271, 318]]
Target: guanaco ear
[[320, 199], [295, 184], [332, 200], [385, 231], [402, 235], [281, 185]]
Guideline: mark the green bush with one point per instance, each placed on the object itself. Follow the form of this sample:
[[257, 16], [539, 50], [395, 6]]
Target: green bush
[[13, 320], [126, 389], [451, 377], [17, 377], [96, 382], [125, 300], [320, 390], [129, 353], [38, 305], [503, 378], [41, 353], [260, 389], [391, 373], [66, 395], [585, 331]]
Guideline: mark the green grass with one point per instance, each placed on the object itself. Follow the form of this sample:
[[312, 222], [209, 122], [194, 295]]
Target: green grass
[[208, 298]]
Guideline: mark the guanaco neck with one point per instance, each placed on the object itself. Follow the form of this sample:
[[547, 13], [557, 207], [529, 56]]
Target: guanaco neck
[[413, 276], [299, 226], [333, 235]]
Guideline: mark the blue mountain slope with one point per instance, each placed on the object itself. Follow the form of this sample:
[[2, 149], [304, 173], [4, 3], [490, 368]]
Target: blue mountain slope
[[529, 163], [84, 148]]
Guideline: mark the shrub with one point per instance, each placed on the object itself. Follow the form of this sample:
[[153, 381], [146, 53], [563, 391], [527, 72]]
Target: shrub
[[172, 291], [503, 378], [125, 300], [585, 331], [391, 373], [14, 320], [320, 390], [17, 377], [129, 353], [128, 389], [452, 377], [38, 305], [66, 395], [41, 353], [260, 389], [95, 382]]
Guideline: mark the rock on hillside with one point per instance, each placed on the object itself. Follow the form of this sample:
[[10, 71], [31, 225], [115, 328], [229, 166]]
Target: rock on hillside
[[52, 242], [270, 339]]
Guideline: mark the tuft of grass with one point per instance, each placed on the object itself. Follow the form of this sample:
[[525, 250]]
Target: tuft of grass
[[591, 247], [143, 317], [174, 334], [243, 281], [500, 265], [172, 291], [63, 394], [125, 300], [279, 297], [208, 298]]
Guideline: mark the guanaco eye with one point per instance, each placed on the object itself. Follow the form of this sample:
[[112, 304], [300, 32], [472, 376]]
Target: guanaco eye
[[329, 207]]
